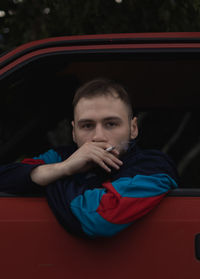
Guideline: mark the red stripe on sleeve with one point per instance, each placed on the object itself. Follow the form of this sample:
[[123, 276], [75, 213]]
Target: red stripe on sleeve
[[123, 210], [31, 161]]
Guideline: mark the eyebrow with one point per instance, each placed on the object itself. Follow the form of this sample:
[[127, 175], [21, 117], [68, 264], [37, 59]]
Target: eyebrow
[[84, 120], [116, 118]]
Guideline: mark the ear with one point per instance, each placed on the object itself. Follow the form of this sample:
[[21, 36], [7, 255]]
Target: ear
[[73, 132], [134, 128]]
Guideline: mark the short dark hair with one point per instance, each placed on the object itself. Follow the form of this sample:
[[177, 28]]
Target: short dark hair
[[103, 87]]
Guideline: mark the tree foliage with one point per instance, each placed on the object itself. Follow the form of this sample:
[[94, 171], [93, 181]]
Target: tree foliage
[[22, 21]]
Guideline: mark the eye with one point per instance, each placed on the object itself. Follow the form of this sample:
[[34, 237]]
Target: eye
[[87, 126], [111, 124]]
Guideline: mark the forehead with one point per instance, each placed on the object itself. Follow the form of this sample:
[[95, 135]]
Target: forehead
[[100, 107]]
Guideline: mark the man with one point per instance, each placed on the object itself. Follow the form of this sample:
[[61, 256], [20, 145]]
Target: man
[[103, 183]]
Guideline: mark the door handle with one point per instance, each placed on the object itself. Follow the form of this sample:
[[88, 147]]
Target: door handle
[[197, 246]]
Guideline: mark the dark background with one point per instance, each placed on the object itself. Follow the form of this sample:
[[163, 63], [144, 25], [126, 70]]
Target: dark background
[[23, 21]]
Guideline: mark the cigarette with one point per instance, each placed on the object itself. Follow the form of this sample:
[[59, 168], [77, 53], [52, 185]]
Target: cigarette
[[110, 148]]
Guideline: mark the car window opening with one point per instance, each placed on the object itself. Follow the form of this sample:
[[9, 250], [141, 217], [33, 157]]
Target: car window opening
[[36, 113]]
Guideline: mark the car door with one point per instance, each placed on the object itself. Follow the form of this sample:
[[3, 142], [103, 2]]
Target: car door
[[162, 73]]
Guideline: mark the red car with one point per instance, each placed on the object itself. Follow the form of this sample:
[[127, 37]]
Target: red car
[[37, 82]]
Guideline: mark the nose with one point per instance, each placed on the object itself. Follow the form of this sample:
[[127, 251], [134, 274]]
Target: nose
[[99, 134]]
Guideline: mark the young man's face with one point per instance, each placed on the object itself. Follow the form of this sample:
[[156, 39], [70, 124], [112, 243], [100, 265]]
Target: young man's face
[[103, 119]]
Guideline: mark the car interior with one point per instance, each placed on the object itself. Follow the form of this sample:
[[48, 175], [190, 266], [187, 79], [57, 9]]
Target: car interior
[[36, 97]]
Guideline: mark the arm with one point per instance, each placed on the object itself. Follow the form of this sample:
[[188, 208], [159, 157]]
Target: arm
[[86, 157], [106, 211], [87, 208], [15, 177], [28, 175]]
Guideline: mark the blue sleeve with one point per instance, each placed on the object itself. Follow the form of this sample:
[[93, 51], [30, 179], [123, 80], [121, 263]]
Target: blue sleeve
[[49, 157], [108, 210]]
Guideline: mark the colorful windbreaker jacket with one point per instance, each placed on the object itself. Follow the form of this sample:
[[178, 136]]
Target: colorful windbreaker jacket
[[96, 204]]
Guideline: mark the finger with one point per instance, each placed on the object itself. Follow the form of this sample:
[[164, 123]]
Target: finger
[[108, 159], [103, 155], [112, 150], [102, 165], [106, 146], [104, 159], [108, 155], [112, 164], [102, 145], [114, 159], [115, 152]]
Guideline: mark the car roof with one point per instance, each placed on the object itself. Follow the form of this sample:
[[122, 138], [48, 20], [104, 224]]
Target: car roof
[[138, 42]]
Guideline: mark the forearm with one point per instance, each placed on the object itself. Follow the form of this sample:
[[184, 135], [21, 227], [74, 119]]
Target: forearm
[[85, 158], [46, 174]]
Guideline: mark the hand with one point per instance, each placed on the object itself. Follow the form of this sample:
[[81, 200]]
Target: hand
[[92, 154]]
